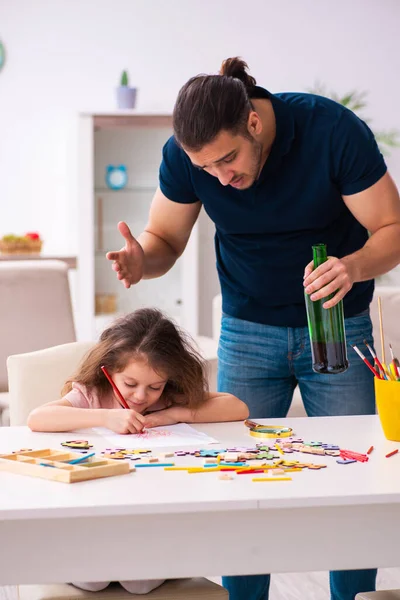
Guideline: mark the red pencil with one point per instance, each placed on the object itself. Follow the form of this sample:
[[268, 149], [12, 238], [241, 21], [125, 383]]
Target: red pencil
[[361, 355], [116, 390], [248, 471], [392, 453], [370, 450], [355, 455], [376, 359]]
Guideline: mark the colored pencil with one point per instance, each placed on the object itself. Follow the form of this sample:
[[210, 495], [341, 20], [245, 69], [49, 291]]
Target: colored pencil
[[76, 461], [202, 470], [178, 468], [388, 373], [116, 390], [394, 362], [353, 455], [277, 446], [392, 453], [249, 471], [361, 355], [392, 371], [376, 359]]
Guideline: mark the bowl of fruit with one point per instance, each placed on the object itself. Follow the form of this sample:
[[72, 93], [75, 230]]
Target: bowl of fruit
[[30, 243]]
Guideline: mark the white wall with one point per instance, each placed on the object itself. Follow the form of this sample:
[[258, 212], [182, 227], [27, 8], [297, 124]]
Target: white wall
[[65, 56]]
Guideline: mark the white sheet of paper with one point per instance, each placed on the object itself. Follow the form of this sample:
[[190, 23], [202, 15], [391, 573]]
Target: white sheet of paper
[[156, 437]]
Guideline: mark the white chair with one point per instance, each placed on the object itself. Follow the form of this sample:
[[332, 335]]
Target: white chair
[[36, 378], [382, 595], [35, 311], [174, 589], [390, 297]]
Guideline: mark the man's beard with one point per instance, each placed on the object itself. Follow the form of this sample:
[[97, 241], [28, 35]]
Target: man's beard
[[257, 157], [256, 162]]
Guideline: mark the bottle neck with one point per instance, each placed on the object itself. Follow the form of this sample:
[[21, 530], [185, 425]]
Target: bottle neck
[[319, 254]]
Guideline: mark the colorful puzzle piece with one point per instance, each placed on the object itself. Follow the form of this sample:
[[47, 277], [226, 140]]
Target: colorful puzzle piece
[[77, 444]]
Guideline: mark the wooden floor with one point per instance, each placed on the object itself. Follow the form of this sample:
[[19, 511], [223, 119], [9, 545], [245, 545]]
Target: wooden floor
[[290, 586]]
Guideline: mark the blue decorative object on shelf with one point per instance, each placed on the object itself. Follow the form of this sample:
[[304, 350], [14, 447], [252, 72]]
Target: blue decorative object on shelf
[[116, 177]]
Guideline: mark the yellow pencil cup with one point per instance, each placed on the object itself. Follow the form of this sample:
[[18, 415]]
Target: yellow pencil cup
[[387, 396]]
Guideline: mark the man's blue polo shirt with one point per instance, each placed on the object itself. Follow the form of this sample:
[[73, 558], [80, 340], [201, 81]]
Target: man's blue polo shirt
[[264, 234]]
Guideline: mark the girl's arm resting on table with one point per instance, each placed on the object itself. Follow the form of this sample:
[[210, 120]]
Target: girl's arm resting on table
[[218, 407], [60, 415]]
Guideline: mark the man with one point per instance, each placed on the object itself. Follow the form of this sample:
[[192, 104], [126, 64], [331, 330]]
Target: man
[[276, 174]]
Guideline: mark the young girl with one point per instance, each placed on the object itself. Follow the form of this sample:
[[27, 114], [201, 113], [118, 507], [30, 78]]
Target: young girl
[[162, 379]]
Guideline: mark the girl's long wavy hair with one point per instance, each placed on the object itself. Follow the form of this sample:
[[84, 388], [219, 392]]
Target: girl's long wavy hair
[[146, 334]]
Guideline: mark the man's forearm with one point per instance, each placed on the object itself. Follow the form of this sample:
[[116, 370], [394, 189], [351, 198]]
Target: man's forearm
[[380, 254], [159, 256]]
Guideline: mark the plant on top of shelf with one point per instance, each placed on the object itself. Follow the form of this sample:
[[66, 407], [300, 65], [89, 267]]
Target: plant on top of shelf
[[126, 95], [356, 102], [124, 79]]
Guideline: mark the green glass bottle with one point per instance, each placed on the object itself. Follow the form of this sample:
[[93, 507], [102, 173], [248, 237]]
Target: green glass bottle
[[326, 328]]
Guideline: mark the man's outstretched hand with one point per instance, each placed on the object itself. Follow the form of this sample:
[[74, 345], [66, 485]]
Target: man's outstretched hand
[[128, 262]]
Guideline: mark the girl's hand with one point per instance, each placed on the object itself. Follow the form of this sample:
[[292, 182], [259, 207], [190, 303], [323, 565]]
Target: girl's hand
[[122, 420], [161, 417]]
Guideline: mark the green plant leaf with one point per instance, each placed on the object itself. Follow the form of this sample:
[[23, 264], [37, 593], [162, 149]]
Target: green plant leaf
[[124, 78], [387, 139], [356, 101]]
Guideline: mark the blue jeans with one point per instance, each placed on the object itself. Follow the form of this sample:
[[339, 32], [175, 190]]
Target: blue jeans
[[261, 365]]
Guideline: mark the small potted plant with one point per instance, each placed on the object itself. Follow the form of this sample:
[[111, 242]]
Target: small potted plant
[[126, 95]]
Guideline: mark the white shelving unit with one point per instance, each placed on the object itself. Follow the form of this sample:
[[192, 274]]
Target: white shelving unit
[[135, 140]]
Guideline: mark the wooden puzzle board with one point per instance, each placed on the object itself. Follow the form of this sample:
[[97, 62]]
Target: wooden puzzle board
[[31, 462]]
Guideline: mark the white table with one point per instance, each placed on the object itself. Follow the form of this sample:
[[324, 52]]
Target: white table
[[154, 523]]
